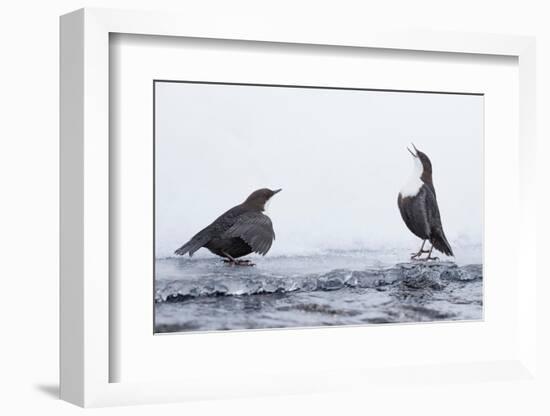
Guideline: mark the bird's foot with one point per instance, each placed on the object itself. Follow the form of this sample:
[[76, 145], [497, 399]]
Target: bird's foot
[[236, 262], [244, 263], [416, 256], [426, 259], [418, 253]]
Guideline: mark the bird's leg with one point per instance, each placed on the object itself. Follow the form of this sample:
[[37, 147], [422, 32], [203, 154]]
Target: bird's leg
[[228, 258], [416, 255], [430, 255], [236, 262]]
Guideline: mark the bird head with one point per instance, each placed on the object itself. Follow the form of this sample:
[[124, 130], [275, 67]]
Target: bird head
[[422, 162], [259, 198]]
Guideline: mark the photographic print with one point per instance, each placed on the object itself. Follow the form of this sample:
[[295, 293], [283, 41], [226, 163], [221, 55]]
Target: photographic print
[[292, 207]]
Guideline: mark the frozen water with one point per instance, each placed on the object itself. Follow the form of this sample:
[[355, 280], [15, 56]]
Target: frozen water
[[331, 288]]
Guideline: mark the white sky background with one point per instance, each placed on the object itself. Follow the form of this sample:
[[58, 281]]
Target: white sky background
[[340, 157]]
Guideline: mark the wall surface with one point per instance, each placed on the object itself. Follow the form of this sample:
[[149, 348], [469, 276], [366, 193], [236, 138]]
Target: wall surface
[[29, 212]]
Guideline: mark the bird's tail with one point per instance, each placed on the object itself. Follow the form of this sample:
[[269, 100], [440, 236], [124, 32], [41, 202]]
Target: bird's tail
[[198, 241], [183, 250], [440, 243], [190, 247]]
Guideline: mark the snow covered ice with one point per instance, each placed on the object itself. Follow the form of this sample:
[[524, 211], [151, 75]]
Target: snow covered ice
[[331, 288]]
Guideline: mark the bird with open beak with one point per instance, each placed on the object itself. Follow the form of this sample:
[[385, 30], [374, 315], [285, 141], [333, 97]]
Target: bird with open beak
[[417, 204]]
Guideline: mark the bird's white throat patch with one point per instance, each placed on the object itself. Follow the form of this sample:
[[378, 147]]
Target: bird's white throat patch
[[413, 185]]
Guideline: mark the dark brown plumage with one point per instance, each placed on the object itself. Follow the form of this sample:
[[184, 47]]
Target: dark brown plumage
[[242, 230], [418, 207]]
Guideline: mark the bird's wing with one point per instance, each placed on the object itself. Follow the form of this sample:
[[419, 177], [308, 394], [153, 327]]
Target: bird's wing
[[219, 226], [413, 212], [437, 236], [255, 229], [430, 205]]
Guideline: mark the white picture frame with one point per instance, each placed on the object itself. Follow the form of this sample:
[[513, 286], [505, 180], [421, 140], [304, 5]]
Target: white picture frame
[[85, 222]]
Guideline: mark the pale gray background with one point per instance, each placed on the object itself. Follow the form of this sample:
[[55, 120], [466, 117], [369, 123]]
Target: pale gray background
[[339, 155]]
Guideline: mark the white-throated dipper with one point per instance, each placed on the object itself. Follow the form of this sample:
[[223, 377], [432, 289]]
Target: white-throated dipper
[[238, 232], [418, 206]]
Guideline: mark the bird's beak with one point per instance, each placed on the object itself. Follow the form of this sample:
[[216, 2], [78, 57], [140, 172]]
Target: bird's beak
[[415, 153], [276, 191]]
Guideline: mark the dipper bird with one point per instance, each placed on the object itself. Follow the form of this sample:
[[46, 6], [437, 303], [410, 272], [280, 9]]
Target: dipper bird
[[418, 206], [240, 231]]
